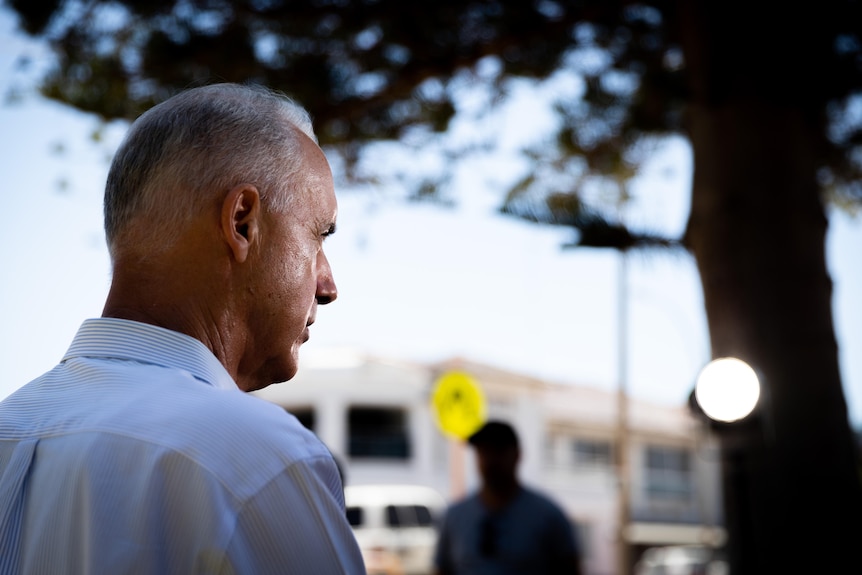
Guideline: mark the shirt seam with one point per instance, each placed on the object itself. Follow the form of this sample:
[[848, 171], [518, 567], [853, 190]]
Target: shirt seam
[[244, 503]]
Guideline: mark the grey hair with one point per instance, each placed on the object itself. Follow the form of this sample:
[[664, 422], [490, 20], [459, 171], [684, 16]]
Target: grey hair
[[185, 153]]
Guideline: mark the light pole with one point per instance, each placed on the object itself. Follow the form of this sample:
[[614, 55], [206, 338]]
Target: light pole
[[623, 555]]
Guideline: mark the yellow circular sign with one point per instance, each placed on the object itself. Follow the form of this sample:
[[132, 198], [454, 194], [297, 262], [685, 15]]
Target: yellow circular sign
[[459, 404]]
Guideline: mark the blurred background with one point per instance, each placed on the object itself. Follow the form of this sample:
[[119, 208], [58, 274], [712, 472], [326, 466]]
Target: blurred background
[[581, 206]]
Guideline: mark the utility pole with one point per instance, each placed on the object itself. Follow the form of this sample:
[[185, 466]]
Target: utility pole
[[622, 443]]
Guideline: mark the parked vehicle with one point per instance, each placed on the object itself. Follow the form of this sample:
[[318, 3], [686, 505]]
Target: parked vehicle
[[395, 526]]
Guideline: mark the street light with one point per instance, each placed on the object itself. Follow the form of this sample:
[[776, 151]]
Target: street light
[[727, 389]]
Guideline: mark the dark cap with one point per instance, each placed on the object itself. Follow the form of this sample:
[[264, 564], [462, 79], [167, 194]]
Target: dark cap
[[494, 434]]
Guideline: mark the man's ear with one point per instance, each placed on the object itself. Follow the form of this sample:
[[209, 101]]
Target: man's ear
[[240, 219]]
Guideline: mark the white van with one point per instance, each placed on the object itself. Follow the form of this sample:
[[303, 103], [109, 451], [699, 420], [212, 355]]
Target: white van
[[395, 526], [682, 560]]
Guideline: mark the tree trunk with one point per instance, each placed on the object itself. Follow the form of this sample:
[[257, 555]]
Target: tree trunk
[[793, 498], [758, 233]]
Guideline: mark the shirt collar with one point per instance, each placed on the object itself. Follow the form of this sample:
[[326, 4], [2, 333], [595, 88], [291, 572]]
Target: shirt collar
[[131, 340]]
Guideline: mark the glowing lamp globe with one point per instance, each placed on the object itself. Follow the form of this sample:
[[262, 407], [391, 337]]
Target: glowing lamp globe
[[727, 389]]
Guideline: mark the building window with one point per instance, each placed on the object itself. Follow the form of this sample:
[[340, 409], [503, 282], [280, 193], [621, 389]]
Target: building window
[[592, 453], [305, 415], [378, 432], [668, 473]]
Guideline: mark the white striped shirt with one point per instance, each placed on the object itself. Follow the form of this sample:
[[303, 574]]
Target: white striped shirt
[[139, 454]]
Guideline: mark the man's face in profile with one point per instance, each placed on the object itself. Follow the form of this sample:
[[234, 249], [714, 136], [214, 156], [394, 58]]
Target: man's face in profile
[[293, 274]]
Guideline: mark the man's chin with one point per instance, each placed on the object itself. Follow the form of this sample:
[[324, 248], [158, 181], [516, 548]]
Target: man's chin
[[289, 367], [272, 374]]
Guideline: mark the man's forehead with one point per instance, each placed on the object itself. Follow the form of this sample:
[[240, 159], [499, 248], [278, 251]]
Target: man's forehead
[[494, 448], [313, 183]]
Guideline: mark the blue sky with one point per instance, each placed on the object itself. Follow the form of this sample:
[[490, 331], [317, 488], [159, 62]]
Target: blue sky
[[416, 282]]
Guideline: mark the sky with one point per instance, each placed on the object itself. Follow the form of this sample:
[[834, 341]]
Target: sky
[[417, 282]]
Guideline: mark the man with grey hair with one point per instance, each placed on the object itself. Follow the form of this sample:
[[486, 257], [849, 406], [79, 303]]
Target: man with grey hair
[[140, 452]]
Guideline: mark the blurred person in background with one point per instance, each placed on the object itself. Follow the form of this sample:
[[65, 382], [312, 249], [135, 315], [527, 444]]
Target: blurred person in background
[[505, 527], [141, 452]]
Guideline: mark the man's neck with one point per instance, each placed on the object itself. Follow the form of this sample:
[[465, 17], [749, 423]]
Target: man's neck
[[497, 497]]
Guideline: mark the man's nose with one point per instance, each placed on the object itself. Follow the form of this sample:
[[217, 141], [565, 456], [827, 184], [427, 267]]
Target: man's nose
[[327, 292]]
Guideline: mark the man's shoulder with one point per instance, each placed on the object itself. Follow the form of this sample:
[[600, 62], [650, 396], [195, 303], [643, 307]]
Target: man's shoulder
[[242, 441], [540, 502], [244, 426], [464, 507], [162, 412], [237, 435]]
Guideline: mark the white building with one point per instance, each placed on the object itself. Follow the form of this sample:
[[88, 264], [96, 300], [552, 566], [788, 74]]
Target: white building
[[376, 417]]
